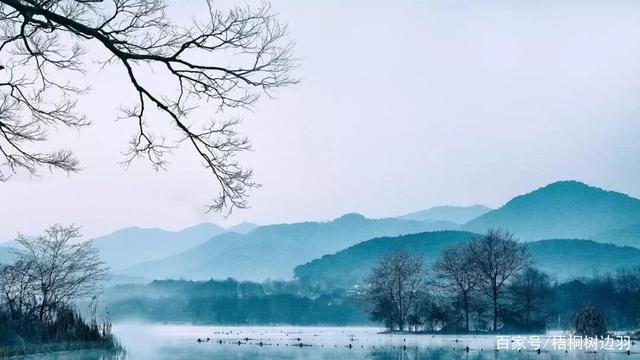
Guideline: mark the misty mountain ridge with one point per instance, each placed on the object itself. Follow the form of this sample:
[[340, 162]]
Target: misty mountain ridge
[[132, 245], [626, 236], [565, 210], [562, 258], [455, 214], [273, 251], [561, 210], [243, 227], [5, 255]]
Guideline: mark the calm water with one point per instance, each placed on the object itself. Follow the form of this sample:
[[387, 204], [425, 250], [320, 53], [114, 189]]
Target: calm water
[[312, 343]]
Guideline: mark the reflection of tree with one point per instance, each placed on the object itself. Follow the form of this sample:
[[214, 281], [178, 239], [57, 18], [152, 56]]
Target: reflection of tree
[[411, 353], [392, 354]]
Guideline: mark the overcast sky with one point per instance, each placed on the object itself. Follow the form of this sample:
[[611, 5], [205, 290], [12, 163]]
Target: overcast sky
[[403, 105]]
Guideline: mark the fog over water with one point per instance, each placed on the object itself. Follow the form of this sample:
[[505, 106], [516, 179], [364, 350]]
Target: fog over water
[[280, 343]]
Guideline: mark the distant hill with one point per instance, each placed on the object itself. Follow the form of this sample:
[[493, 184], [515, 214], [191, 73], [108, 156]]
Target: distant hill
[[133, 245], [273, 251], [5, 255], [348, 267], [456, 214], [572, 258], [564, 259], [243, 228], [188, 264], [626, 236], [565, 209]]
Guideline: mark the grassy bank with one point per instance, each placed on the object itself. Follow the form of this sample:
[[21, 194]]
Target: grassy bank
[[110, 345]]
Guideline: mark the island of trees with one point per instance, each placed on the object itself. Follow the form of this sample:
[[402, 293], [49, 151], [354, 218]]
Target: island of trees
[[488, 285]]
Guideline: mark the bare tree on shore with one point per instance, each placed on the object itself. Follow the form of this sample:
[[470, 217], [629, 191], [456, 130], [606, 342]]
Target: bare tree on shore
[[393, 289], [17, 289], [455, 272], [222, 60], [50, 272], [496, 257]]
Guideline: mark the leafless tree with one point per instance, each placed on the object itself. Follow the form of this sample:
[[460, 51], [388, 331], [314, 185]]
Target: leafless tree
[[56, 269], [496, 257], [393, 288], [454, 269], [530, 295], [224, 60], [17, 289]]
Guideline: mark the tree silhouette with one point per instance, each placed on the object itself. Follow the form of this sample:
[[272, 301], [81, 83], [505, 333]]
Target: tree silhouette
[[393, 288], [496, 257], [224, 61], [55, 269], [454, 269], [530, 297]]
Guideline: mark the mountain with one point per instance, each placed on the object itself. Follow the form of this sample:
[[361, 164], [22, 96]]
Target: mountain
[[565, 209], [273, 251], [5, 255], [347, 267], [133, 245], [456, 214], [563, 258], [243, 228], [629, 236], [572, 258], [188, 264]]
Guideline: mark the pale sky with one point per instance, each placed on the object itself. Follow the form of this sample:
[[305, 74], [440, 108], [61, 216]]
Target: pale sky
[[403, 105]]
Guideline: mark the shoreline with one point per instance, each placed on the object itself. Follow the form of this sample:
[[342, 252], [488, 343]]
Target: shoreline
[[31, 349]]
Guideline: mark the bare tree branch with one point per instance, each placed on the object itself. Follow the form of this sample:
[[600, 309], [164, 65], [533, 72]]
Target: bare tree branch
[[226, 60]]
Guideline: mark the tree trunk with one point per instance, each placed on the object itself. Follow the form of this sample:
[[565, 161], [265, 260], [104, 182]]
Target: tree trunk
[[466, 311], [528, 312], [43, 306], [495, 310]]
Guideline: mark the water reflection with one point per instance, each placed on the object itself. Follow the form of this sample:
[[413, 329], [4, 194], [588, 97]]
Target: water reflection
[[326, 354], [374, 354], [79, 355], [177, 342]]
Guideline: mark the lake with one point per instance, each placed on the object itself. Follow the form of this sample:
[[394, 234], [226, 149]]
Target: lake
[[314, 343]]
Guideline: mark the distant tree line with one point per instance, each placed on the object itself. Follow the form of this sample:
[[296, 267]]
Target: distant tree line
[[470, 287], [490, 285], [615, 296], [232, 302], [38, 290]]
